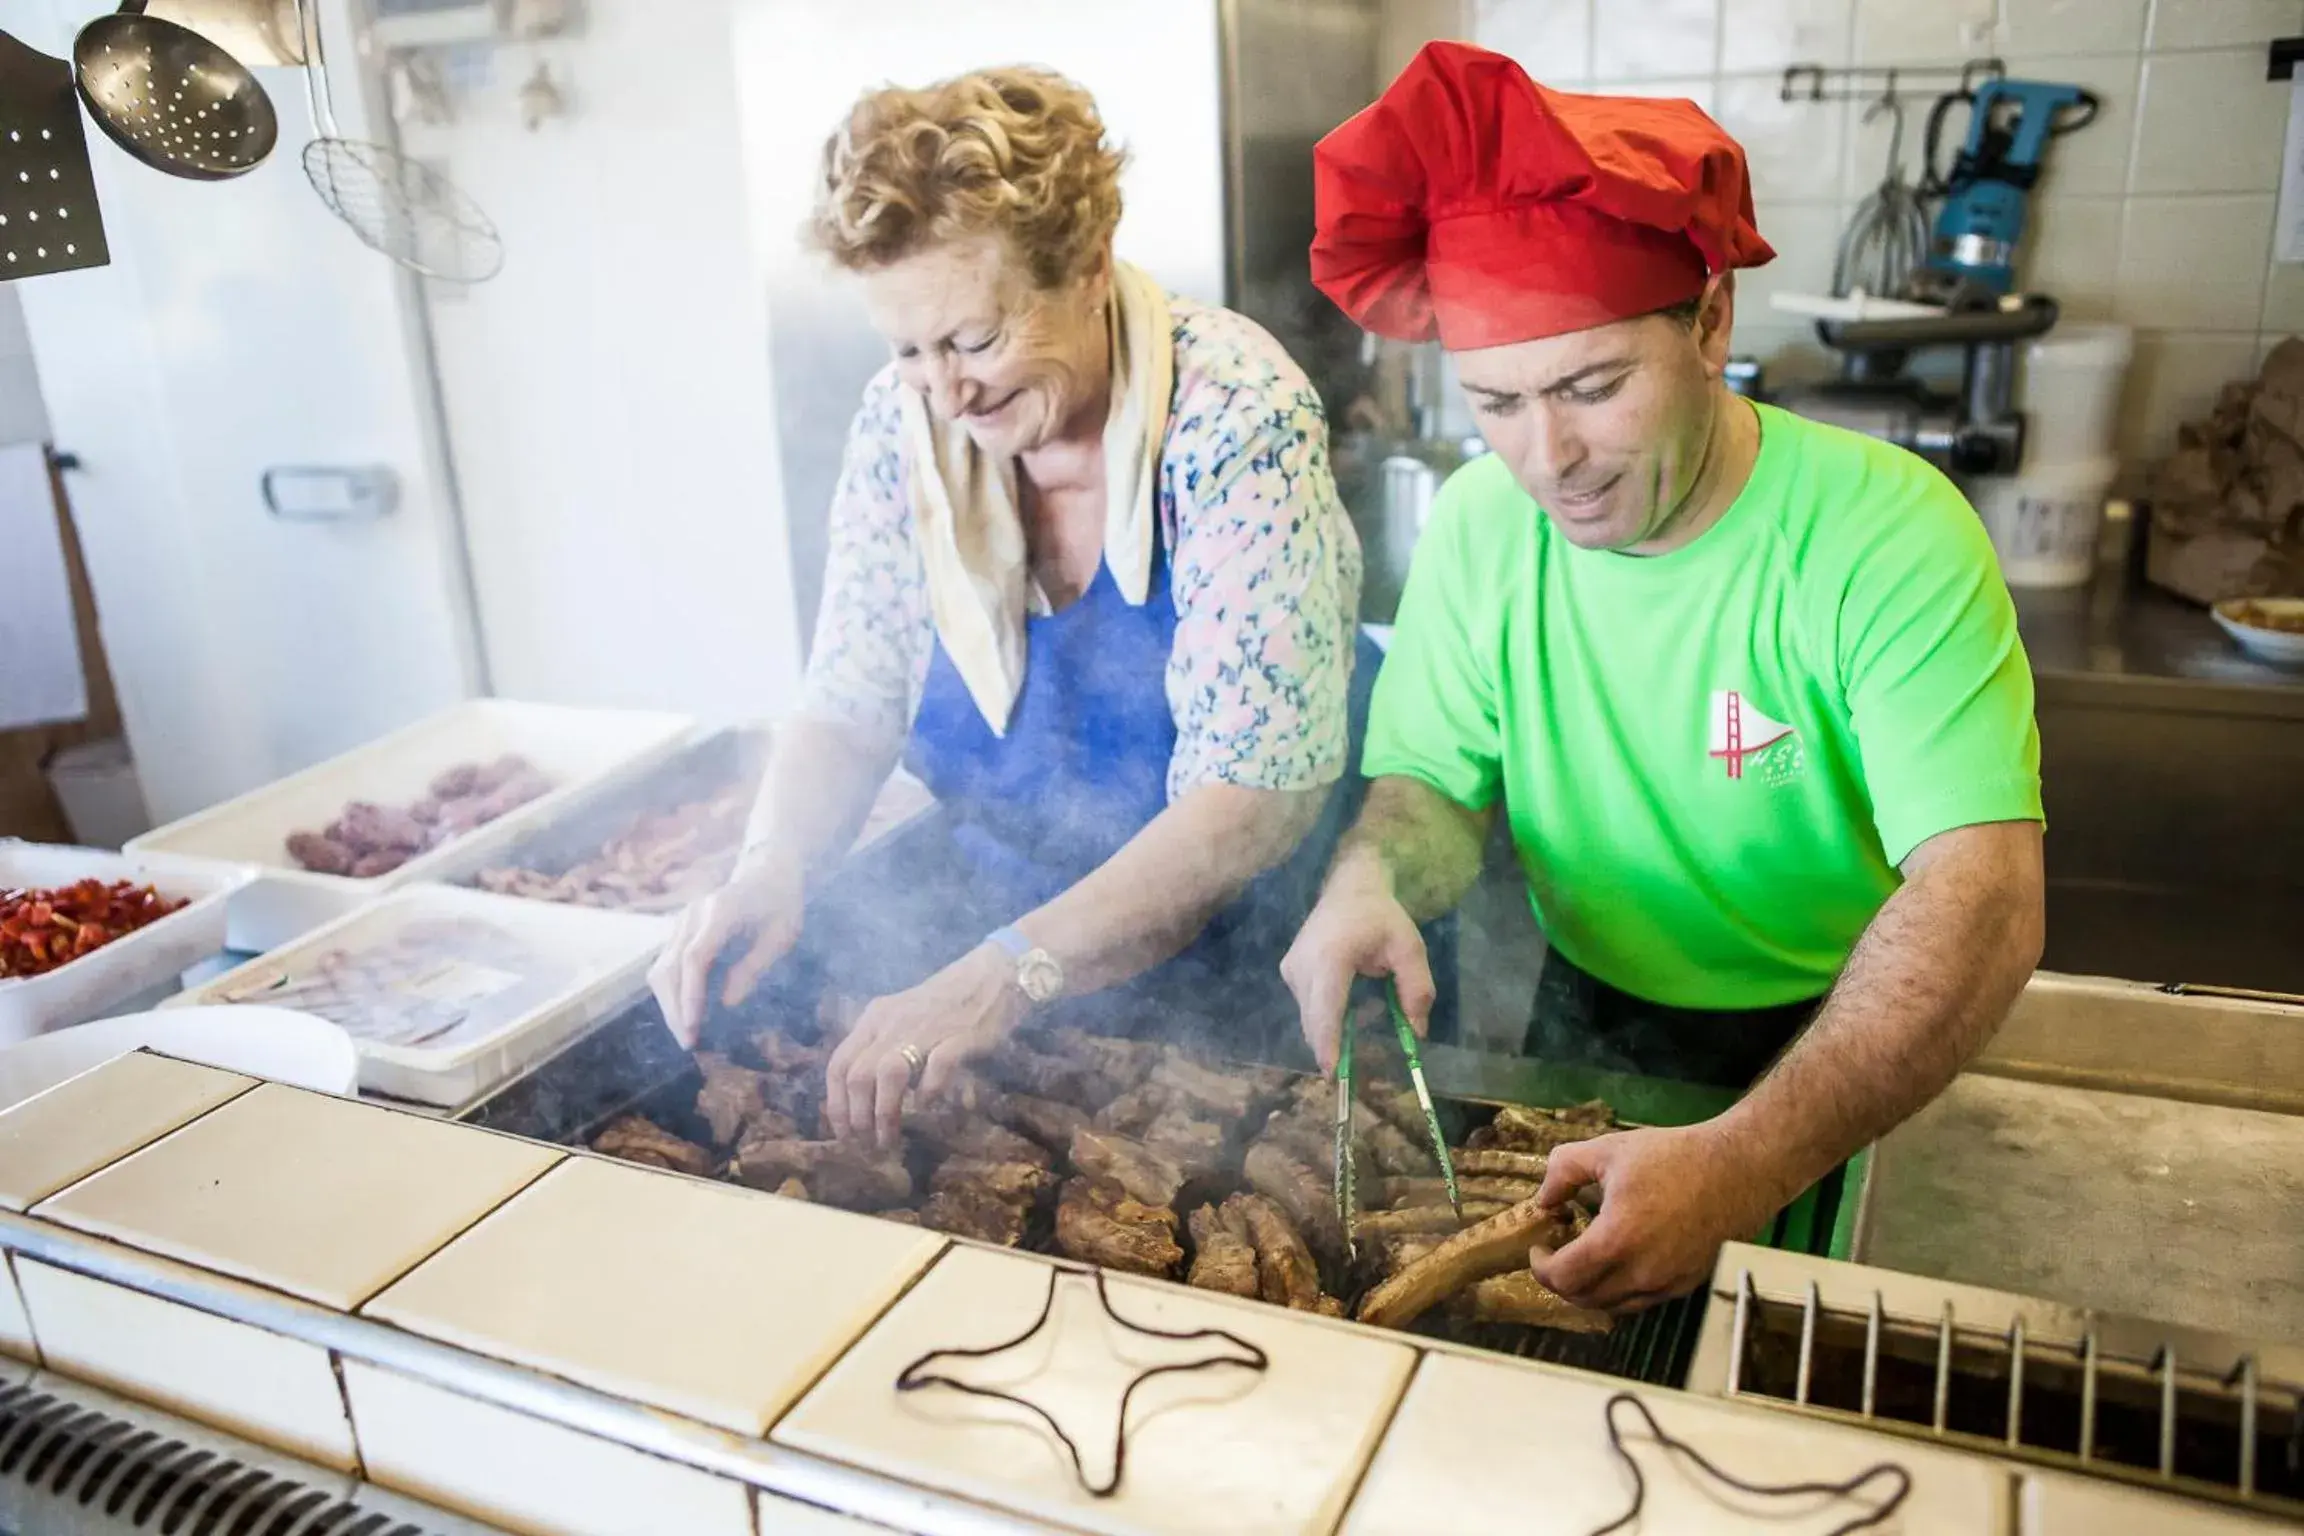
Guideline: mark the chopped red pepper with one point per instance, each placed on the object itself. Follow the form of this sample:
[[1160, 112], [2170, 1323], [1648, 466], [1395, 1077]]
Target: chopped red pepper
[[41, 930]]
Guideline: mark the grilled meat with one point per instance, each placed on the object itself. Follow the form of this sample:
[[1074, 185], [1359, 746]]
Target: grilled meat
[[1499, 1164], [793, 1189], [1394, 1151], [1016, 1183], [958, 1135], [1195, 1146], [1044, 1075], [1050, 1122], [1401, 1194], [900, 1216], [1422, 1219], [1394, 1254], [1520, 1298], [1299, 1192], [1400, 1109], [1286, 1274], [779, 1055], [1120, 1061], [843, 1173], [1223, 1256], [1098, 1223], [636, 1139], [1517, 1128], [1148, 1175], [1132, 1111], [1496, 1246], [1217, 1094], [971, 1210], [734, 1101]]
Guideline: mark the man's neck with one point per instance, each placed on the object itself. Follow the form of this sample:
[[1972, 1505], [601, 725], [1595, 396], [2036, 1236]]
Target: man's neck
[[1730, 450]]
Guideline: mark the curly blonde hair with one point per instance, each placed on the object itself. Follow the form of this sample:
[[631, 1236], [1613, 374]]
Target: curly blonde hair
[[1016, 151]]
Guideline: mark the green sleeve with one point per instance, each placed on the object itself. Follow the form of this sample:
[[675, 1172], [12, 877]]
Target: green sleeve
[[1434, 715], [1938, 688]]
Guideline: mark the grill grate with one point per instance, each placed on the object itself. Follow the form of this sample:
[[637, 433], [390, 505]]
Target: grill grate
[[68, 1467], [2105, 1400]]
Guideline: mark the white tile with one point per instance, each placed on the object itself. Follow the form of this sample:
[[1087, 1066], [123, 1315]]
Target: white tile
[[279, 1391], [526, 1474], [2175, 379], [589, 1274], [2056, 1504], [1792, 147], [2209, 123], [59, 1137], [1805, 236], [780, 1516], [1766, 35], [1551, 39], [1939, 32], [2088, 161], [2072, 26], [1698, 91], [1227, 1450], [1870, 132], [2194, 263], [2223, 23], [16, 1338], [2284, 299], [2071, 253], [1655, 40], [1472, 1437], [324, 1198]]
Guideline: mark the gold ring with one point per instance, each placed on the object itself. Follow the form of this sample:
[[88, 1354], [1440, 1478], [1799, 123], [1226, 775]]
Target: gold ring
[[911, 1055]]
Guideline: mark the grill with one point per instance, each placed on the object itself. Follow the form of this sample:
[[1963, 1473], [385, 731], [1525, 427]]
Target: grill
[[74, 1459], [2114, 1397]]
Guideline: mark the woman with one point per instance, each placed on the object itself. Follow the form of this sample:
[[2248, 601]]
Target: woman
[[1089, 579]]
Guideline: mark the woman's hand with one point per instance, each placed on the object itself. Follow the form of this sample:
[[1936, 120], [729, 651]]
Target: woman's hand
[[762, 903], [955, 1015], [1359, 928]]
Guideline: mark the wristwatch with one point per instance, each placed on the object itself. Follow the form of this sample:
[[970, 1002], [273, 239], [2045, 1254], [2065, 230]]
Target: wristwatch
[[1038, 976]]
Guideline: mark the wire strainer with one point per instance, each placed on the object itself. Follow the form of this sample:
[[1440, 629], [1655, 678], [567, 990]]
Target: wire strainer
[[399, 206]]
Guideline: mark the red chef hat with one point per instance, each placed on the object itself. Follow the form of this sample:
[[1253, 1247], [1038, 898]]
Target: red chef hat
[[1471, 203]]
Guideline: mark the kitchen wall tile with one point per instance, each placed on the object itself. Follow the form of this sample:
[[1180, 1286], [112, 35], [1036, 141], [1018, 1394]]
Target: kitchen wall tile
[[2222, 23], [1405, 26], [2175, 378], [2194, 263], [1552, 39], [588, 1274], [2072, 254], [2210, 122], [61, 1136], [2073, 26], [15, 1323], [1941, 32], [1276, 1452], [1697, 91], [2088, 161], [278, 1391], [321, 1197], [526, 1474], [1792, 147], [1760, 35], [2284, 299], [1655, 40], [1805, 235]]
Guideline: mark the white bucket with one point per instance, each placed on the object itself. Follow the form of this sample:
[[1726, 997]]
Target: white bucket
[[2071, 393], [2045, 523]]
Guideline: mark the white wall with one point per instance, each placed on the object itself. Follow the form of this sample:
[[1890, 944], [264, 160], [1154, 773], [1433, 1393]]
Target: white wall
[[23, 418], [608, 394], [2159, 215]]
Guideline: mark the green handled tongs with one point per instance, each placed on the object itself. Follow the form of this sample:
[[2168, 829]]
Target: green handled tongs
[[1347, 1201]]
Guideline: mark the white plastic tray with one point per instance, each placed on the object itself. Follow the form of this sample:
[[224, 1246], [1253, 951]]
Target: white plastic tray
[[128, 967], [603, 956], [577, 748]]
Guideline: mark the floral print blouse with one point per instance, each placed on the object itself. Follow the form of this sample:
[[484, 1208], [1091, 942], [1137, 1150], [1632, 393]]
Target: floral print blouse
[[1263, 563]]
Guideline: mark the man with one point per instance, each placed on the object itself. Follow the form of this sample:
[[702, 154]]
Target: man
[[1747, 687]]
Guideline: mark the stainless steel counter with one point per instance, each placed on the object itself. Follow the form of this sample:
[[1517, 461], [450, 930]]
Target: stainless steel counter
[[2140, 635]]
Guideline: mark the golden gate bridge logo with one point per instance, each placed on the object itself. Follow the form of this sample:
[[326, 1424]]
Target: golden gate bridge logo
[[1740, 732]]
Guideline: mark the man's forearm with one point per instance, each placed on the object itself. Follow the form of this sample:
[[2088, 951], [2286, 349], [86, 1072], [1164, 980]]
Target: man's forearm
[[1931, 979], [1153, 897], [1418, 843], [821, 780]]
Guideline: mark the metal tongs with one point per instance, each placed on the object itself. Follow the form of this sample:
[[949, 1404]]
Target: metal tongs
[[1347, 1173]]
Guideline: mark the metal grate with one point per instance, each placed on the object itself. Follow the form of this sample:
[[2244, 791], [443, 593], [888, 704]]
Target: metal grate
[[2107, 1396], [66, 1466]]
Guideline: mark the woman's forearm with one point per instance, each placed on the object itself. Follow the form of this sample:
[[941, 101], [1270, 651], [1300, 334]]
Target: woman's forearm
[[821, 781], [1151, 899]]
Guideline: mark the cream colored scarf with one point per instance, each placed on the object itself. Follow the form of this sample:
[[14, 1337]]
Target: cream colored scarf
[[972, 535]]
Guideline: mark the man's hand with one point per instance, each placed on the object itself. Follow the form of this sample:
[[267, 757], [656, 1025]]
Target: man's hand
[[954, 1016], [1668, 1200], [1358, 929]]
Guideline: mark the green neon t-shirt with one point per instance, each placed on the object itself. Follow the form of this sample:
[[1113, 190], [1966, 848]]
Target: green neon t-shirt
[[1713, 760]]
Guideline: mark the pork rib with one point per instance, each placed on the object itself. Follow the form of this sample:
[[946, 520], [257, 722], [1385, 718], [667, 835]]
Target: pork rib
[[1285, 1272], [636, 1139], [842, 1173], [1499, 1164], [1298, 1191], [1496, 1246], [1417, 1219], [1148, 1175], [1402, 1193], [1223, 1257], [1519, 1297], [1100, 1224]]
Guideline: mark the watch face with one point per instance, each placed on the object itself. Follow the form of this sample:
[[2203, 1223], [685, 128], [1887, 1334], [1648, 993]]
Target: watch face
[[1039, 977]]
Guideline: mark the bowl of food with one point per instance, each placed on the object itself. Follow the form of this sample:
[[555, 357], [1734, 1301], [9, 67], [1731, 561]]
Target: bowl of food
[[2267, 628]]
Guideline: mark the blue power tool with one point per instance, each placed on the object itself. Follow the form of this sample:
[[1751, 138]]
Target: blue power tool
[[1982, 218]]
